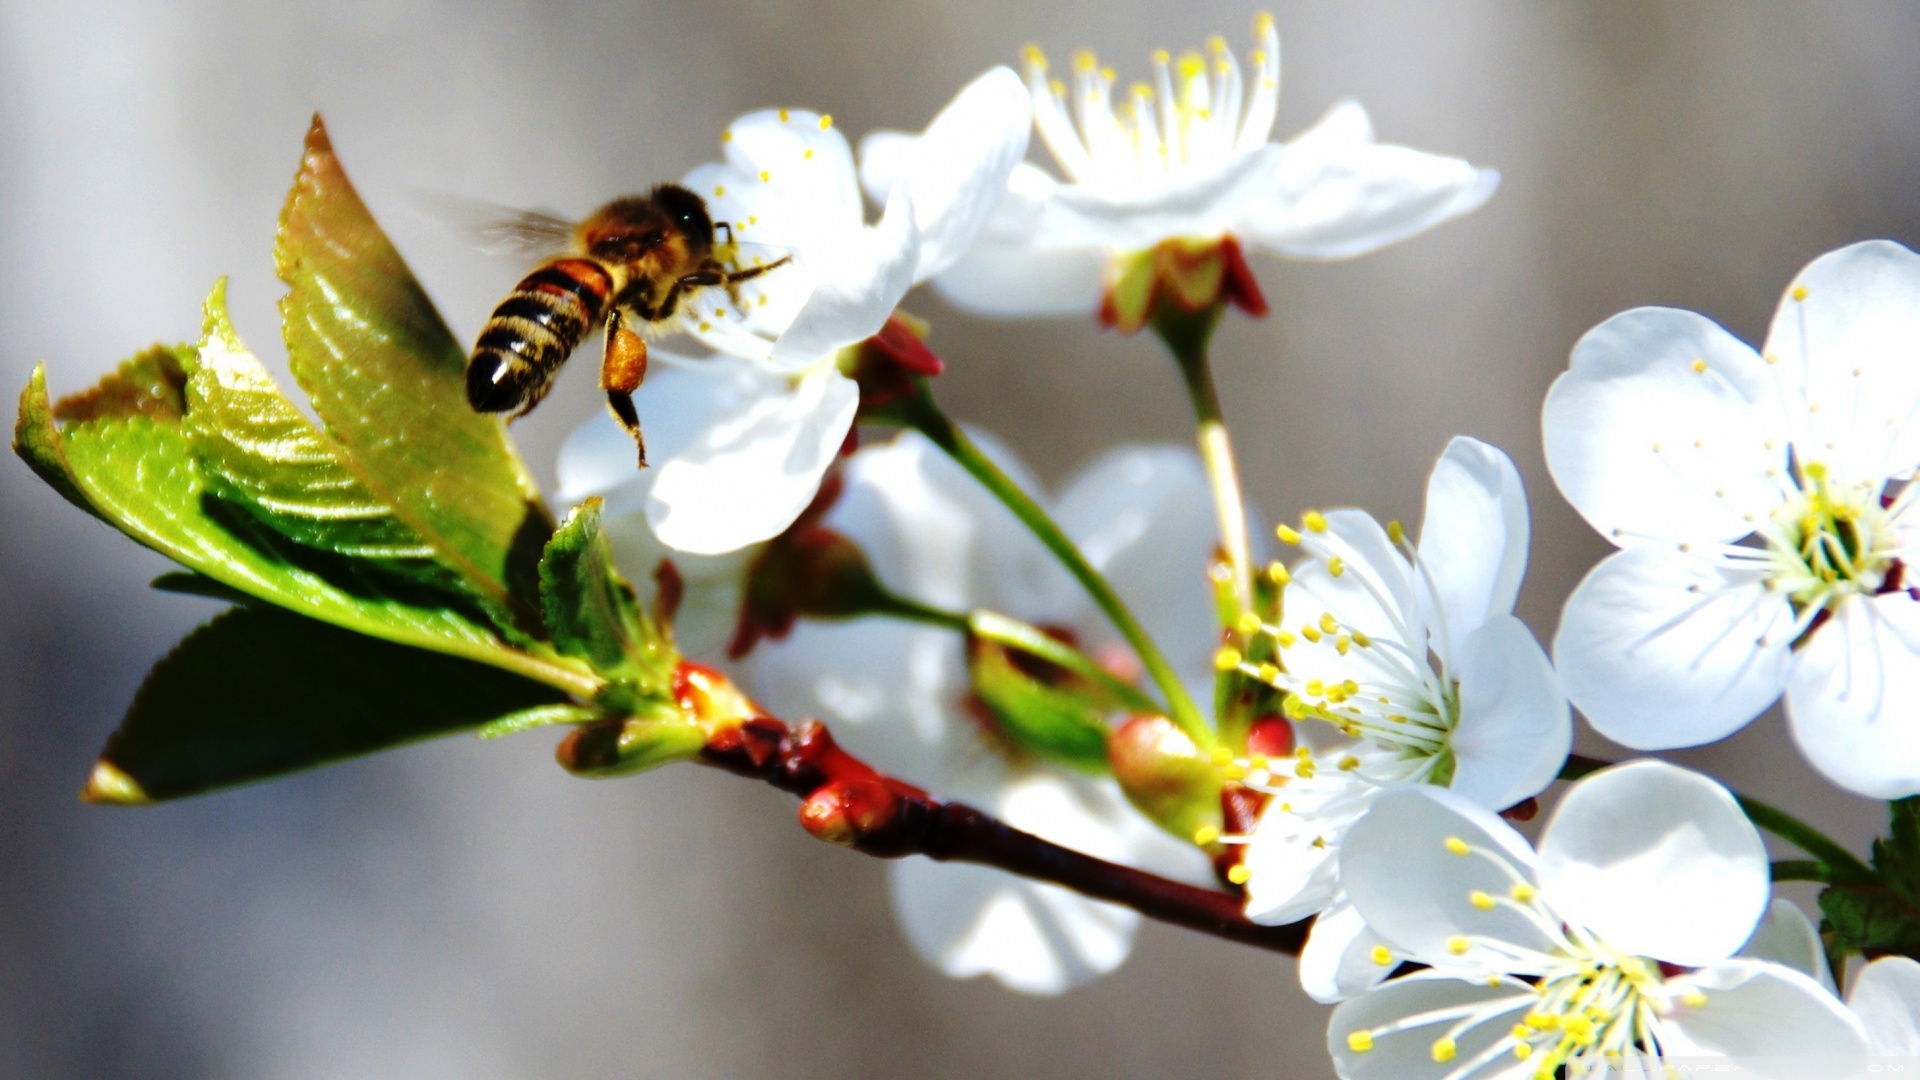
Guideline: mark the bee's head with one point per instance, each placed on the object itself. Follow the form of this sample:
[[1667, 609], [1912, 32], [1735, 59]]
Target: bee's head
[[688, 212]]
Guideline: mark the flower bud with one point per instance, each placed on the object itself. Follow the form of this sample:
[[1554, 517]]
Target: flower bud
[[886, 364], [1166, 776], [1040, 707], [862, 814], [621, 747]]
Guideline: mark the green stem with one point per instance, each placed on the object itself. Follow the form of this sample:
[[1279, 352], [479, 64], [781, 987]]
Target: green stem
[[1842, 867], [1186, 336], [1025, 637], [918, 412], [1801, 870]]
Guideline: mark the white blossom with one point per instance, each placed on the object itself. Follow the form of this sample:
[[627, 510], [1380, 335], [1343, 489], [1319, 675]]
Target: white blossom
[[1615, 943], [779, 412], [1412, 656], [1886, 998], [897, 694], [1760, 503], [1186, 156]]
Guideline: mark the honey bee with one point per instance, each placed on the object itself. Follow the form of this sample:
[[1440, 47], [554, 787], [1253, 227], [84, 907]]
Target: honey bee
[[631, 264]]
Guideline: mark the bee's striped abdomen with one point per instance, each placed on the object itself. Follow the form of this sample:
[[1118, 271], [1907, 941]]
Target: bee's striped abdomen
[[532, 333]]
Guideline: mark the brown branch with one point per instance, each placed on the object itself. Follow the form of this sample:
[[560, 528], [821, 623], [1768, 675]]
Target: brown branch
[[846, 802]]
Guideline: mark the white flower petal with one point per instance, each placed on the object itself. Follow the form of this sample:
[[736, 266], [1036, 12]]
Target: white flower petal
[[675, 405], [799, 158], [958, 168], [1290, 876], [1659, 648], [1337, 961], [1847, 353], [1665, 427], [1886, 998], [1036, 939], [752, 471], [858, 290], [1334, 194], [1408, 1055], [1657, 861], [769, 226], [1473, 539], [1757, 1009], [1132, 218], [1786, 936], [1009, 280], [1853, 693], [1143, 517], [1413, 890], [1515, 728]]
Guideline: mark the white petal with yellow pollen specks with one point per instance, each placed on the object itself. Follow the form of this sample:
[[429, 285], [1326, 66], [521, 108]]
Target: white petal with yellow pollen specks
[[1851, 693]]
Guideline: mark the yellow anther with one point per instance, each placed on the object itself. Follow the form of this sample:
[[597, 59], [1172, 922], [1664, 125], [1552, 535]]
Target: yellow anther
[[1480, 900], [1238, 874], [1191, 66], [1217, 44], [719, 191], [1360, 1041], [1160, 57], [1397, 533], [1349, 763], [1340, 644], [1285, 638], [1319, 841], [1699, 367], [1312, 521], [1305, 770], [1056, 88], [1141, 91], [1304, 753], [1381, 955], [1815, 470], [1084, 60], [785, 116], [1771, 358], [1311, 633], [1444, 1050], [1458, 945], [1031, 55], [765, 176], [1263, 24], [1220, 755], [1316, 688], [1799, 292], [1336, 566], [1206, 834], [1286, 535], [1292, 708], [1328, 623], [1278, 574], [1350, 687], [1258, 761], [1106, 74], [1523, 1051], [1520, 1031], [807, 155], [1234, 771], [705, 326], [1457, 846], [1226, 659], [1541, 1021], [1694, 999], [1269, 673], [1362, 640], [1248, 623], [826, 121], [726, 136]]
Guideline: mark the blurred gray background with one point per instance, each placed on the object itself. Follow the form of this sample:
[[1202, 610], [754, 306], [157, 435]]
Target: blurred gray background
[[466, 910]]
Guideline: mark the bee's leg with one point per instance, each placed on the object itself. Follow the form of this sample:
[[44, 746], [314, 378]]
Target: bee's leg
[[622, 369], [734, 277]]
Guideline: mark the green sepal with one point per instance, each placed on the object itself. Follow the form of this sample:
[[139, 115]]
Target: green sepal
[[259, 692], [387, 380], [1166, 776], [614, 748], [1041, 707]]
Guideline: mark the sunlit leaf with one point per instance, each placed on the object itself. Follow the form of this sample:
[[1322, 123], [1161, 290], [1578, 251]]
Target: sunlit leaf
[[258, 692], [386, 378], [590, 610]]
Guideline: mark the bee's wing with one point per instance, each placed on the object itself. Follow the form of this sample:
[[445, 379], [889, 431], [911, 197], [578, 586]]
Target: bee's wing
[[501, 230]]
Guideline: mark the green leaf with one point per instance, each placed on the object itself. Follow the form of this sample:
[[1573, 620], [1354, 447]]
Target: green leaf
[[591, 611], [1896, 856], [1040, 706], [259, 692], [273, 460], [139, 474], [386, 378], [1870, 919]]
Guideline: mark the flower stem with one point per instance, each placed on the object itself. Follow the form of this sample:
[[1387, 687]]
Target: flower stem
[[1186, 335], [1839, 864], [846, 802], [918, 412]]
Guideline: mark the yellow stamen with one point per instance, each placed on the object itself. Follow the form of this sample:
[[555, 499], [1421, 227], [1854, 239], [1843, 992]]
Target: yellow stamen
[[1286, 535], [1381, 955], [1444, 1050], [1206, 834], [1312, 521], [1457, 846], [1360, 1041], [1480, 900], [1238, 874], [1226, 659]]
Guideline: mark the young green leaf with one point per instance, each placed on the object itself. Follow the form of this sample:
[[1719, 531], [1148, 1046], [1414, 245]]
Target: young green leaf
[[139, 474], [258, 692], [386, 378], [591, 612], [1041, 707]]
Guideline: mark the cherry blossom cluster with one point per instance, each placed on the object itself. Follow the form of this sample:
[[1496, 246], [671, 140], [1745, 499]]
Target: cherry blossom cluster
[[1335, 718]]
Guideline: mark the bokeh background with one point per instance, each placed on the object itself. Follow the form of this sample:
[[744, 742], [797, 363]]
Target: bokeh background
[[466, 910]]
